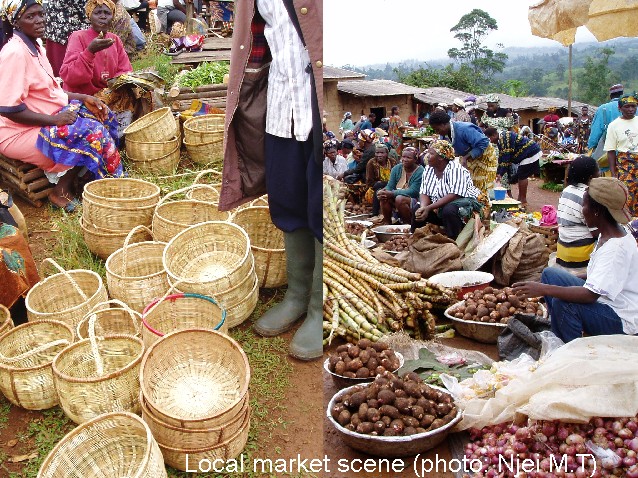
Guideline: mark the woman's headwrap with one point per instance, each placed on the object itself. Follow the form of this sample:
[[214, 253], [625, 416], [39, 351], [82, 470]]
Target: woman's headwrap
[[347, 115], [444, 149], [632, 98], [12, 10], [329, 144], [492, 98], [330, 135], [93, 4], [367, 135]]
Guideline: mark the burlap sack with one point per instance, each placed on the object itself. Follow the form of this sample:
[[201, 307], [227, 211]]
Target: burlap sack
[[430, 252], [523, 258]]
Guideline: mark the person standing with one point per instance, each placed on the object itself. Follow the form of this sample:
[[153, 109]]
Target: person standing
[[346, 123], [621, 146], [63, 18], [276, 82], [395, 129], [605, 114], [583, 128], [495, 116]]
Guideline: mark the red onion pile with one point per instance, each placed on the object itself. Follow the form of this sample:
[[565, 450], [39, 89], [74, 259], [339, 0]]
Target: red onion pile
[[545, 449]]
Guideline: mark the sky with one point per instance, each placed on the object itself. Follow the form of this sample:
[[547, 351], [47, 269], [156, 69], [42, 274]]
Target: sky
[[359, 33]]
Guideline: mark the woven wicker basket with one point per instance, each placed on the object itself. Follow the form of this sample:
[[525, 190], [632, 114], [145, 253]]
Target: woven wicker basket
[[181, 311], [238, 312], [172, 217], [117, 444], [67, 296], [135, 273], [209, 153], [147, 150], [208, 195], [104, 242], [170, 435], [99, 375], [166, 164], [121, 320], [266, 243], [158, 125], [209, 258], [26, 354], [203, 129], [209, 392], [260, 201], [227, 450], [6, 323]]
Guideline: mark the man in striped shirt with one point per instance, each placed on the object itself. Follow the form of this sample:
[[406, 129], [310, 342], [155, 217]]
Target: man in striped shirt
[[447, 194]]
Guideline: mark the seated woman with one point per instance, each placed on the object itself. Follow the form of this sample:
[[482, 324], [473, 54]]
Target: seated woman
[[447, 193], [478, 155], [575, 240], [333, 163], [38, 125], [402, 188], [606, 301], [172, 11], [378, 175]]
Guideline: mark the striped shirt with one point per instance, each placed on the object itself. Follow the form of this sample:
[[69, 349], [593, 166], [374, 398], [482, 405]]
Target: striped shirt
[[456, 180], [571, 222], [289, 89]]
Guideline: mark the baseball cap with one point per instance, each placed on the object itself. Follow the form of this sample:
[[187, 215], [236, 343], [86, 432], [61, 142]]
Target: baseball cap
[[611, 193], [618, 88]]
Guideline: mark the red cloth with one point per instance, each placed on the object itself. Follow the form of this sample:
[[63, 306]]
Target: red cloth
[[55, 54], [85, 72]]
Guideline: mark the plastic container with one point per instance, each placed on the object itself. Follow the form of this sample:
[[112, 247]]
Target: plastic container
[[499, 194]]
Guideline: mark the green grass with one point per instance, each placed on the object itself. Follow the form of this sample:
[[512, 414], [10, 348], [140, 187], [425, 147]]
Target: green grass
[[554, 187], [152, 59], [5, 408]]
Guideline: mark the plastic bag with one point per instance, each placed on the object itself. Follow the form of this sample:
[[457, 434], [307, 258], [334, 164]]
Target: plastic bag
[[522, 335], [608, 458], [549, 216]]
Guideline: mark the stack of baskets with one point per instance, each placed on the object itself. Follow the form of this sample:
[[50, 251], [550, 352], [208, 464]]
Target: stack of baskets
[[204, 138], [6, 323], [153, 142], [194, 396], [214, 259], [112, 208]]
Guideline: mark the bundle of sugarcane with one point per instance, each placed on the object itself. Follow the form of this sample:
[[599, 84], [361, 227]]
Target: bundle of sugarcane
[[363, 297]]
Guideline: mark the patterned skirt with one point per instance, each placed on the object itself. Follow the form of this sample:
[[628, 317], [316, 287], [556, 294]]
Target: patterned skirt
[[627, 166], [483, 169]]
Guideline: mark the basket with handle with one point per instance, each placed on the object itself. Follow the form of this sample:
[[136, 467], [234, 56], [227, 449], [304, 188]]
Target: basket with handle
[[120, 320], [98, 375], [66, 296], [117, 444], [147, 150], [135, 273], [104, 242], [166, 164], [208, 195], [209, 392], [181, 311], [173, 216], [204, 128], [266, 243], [208, 153], [158, 125], [26, 355], [6, 323]]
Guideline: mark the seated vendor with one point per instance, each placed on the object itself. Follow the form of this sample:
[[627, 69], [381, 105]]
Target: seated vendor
[[402, 189], [447, 194], [605, 302], [367, 144], [377, 177], [38, 125], [333, 163]]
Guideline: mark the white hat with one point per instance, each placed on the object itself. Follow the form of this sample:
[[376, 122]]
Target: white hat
[[459, 102]]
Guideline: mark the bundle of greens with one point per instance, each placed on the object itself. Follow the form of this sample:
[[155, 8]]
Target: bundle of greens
[[207, 73]]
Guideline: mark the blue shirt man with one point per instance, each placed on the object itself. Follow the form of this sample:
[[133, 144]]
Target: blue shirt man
[[605, 114]]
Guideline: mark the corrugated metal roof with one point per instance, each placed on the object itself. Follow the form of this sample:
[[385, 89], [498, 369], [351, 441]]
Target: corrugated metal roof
[[536, 103], [333, 73], [440, 94], [376, 88]]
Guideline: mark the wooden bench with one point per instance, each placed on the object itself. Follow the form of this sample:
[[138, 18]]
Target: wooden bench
[[25, 180]]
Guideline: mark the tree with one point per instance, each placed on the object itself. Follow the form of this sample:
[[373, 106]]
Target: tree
[[515, 88], [594, 81], [461, 78], [471, 31]]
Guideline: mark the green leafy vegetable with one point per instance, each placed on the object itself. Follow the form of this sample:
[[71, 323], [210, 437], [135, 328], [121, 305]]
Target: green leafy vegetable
[[430, 369], [207, 73]]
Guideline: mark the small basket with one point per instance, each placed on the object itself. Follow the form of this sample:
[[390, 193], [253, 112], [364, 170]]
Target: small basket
[[135, 273], [172, 217], [208, 392], [181, 311], [104, 242], [99, 375], [158, 125], [204, 128], [266, 244], [67, 296], [120, 320], [114, 444], [166, 164], [211, 152], [147, 150], [120, 193], [207, 195], [6, 323], [26, 354], [181, 459]]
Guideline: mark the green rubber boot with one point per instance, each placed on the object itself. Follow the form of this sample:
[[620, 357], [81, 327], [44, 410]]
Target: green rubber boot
[[300, 262], [307, 343]]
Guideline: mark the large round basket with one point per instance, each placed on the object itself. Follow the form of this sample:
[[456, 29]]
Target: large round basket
[[210, 152], [266, 243], [237, 312], [181, 312], [180, 458], [99, 375], [67, 296], [210, 259], [6, 323], [172, 217], [135, 273], [166, 164], [147, 150], [158, 125], [193, 439], [26, 354], [208, 195], [104, 242], [195, 378], [117, 444], [202, 129], [119, 320]]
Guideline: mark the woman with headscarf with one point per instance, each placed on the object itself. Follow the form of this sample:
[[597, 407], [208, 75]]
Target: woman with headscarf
[[402, 189], [477, 154], [38, 125], [63, 18], [495, 116], [367, 140], [621, 145], [346, 124], [377, 175], [447, 196], [606, 301]]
